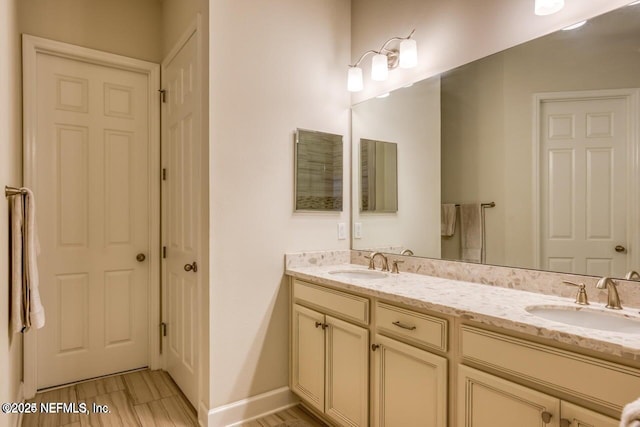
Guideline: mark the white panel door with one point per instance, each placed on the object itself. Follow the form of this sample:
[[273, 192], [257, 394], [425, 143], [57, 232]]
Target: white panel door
[[92, 187], [583, 186], [181, 153]]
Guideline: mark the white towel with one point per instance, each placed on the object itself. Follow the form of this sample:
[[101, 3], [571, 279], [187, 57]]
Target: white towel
[[18, 305], [31, 250], [447, 220], [26, 308], [631, 415], [471, 232]]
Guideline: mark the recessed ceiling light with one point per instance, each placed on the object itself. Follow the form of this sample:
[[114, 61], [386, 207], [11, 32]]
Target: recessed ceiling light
[[576, 25], [384, 95]]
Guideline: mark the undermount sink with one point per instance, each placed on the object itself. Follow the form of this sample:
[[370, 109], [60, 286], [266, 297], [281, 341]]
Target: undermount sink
[[359, 274], [587, 318]]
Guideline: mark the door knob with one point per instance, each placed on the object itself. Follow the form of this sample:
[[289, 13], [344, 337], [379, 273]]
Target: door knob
[[620, 248], [140, 257], [191, 267]]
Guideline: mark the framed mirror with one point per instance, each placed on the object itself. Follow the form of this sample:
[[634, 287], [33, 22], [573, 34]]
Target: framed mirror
[[318, 171], [546, 132], [378, 176]]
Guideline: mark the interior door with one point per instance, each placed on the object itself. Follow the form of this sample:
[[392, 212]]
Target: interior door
[[583, 186], [181, 208], [92, 187]]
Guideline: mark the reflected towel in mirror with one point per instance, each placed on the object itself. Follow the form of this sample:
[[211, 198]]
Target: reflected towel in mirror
[[471, 232], [448, 219]]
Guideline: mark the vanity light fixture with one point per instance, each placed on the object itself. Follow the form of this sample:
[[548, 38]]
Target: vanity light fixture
[[574, 26], [548, 7], [406, 56]]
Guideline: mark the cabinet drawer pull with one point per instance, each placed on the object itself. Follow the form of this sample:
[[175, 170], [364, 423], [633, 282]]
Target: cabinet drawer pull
[[546, 417], [565, 422], [403, 326], [374, 347]]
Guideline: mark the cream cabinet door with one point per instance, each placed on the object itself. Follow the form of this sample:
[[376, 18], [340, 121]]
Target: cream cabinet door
[[488, 401], [347, 373], [307, 343], [577, 416], [410, 386]]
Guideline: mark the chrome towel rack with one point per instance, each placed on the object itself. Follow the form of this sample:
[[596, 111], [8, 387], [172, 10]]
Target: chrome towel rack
[[12, 191]]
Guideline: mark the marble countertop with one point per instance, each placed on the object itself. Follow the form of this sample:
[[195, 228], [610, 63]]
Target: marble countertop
[[496, 306]]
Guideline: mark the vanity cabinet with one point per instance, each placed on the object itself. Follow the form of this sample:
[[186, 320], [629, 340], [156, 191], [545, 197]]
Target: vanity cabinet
[[485, 400], [410, 385], [330, 356]]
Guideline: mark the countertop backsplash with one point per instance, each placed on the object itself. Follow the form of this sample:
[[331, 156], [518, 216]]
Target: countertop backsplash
[[543, 282]]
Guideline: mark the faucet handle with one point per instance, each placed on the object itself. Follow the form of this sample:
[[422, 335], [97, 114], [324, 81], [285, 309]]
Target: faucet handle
[[394, 266], [581, 296]]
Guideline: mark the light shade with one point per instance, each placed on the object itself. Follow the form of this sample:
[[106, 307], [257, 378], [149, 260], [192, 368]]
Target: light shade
[[408, 53], [354, 79], [379, 67], [548, 7]]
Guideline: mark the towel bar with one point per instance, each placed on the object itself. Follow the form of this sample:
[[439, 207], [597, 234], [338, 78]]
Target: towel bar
[[12, 191]]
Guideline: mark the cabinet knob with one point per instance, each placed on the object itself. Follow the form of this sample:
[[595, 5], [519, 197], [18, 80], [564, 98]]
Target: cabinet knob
[[318, 324], [546, 417], [565, 422], [140, 257], [374, 347], [620, 249]]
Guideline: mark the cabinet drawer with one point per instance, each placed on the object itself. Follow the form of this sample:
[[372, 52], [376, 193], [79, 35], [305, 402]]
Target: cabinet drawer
[[330, 301], [412, 326], [606, 383]]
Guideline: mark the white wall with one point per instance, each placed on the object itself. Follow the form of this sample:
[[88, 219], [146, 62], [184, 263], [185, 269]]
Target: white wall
[[452, 33], [125, 27], [10, 174], [411, 118], [274, 66]]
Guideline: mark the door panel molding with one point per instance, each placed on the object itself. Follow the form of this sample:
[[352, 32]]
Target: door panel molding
[[632, 98], [32, 47]]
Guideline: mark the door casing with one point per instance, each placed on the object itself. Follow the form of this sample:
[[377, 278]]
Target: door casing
[[31, 47]]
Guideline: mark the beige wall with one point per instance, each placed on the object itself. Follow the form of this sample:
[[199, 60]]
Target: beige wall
[[487, 121], [10, 174], [275, 66], [125, 27], [411, 118], [452, 33]]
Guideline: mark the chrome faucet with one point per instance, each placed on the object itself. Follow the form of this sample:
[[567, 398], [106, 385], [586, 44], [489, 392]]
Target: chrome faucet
[[372, 261], [632, 275], [613, 300]]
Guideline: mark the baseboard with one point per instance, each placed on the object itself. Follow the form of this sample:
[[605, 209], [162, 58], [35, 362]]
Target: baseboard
[[251, 408], [17, 419]]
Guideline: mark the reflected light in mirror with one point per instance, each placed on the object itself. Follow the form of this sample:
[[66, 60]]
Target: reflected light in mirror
[[548, 7], [574, 26]]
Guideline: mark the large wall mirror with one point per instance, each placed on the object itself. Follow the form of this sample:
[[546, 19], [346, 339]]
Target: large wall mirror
[[530, 155]]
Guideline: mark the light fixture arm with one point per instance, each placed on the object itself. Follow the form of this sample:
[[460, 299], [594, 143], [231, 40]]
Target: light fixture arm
[[383, 49]]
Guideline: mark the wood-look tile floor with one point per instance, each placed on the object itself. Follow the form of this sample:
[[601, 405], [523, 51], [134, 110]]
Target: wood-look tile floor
[[292, 417], [141, 398]]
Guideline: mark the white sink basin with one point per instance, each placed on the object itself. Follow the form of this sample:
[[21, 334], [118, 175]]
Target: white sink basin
[[359, 274], [587, 318]]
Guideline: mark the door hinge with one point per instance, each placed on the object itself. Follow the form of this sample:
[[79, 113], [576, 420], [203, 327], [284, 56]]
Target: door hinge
[[164, 174], [164, 252], [163, 328], [163, 95]]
